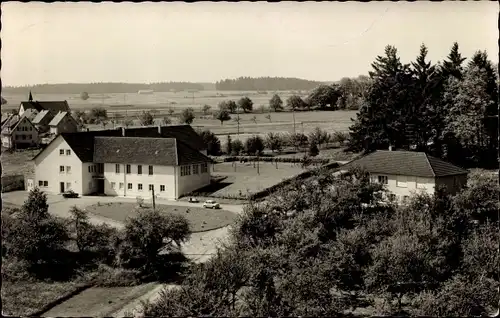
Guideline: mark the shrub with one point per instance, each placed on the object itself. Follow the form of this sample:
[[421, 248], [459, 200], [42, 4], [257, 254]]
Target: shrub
[[254, 145], [106, 276], [140, 201], [236, 147]]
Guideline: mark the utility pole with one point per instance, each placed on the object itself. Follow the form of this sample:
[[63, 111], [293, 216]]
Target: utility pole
[[258, 170], [154, 203], [293, 114]]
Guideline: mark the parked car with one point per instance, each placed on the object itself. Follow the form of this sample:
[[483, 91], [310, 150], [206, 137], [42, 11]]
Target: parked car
[[70, 194], [211, 204], [193, 200]]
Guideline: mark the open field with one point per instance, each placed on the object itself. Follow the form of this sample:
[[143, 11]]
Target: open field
[[200, 219], [22, 298], [242, 178]]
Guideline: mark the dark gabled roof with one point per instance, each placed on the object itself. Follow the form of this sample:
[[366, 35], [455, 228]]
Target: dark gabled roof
[[145, 150], [52, 106], [82, 143], [186, 134], [57, 118], [41, 115], [408, 163], [30, 114], [135, 150]]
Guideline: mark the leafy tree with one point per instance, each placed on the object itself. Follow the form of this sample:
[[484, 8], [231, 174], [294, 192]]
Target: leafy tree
[[274, 141], [211, 141], [187, 116], [171, 111], [276, 103], [97, 115], [145, 236], [313, 149], [480, 251], [236, 147], [206, 109], [229, 145], [167, 120], [84, 95], [297, 140], [128, 122], [245, 104], [318, 136], [222, 115], [254, 145], [228, 105], [146, 118], [295, 102], [324, 96]]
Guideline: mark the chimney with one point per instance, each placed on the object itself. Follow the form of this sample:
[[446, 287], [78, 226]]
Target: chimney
[[159, 129], [123, 131]]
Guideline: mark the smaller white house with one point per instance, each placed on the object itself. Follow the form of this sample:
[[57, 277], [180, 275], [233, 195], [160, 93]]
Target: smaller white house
[[407, 172]]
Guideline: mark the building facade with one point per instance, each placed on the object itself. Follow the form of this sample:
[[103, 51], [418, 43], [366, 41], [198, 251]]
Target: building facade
[[19, 133]]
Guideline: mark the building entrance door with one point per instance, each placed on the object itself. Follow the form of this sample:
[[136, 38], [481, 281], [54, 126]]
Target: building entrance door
[[61, 185]]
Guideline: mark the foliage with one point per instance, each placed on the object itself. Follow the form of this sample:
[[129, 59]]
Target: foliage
[[167, 120], [229, 145], [254, 145], [297, 140], [264, 83], [268, 116], [274, 142], [295, 102], [222, 115], [245, 104], [276, 103], [97, 115], [206, 109], [84, 95], [229, 106], [146, 118], [318, 136], [324, 96], [236, 147], [313, 149], [187, 116], [211, 141]]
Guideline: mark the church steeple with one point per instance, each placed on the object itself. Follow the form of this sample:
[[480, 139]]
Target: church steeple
[[31, 97]]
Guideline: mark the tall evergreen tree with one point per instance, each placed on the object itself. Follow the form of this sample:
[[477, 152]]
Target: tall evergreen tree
[[453, 66]]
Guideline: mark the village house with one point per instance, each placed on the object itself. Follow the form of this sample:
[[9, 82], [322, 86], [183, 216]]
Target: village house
[[45, 111], [63, 122], [407, 172], [133, 162], [19, 131]]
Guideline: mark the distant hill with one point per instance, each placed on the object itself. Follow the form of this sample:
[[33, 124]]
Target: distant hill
[[103, 88], [265, 84]]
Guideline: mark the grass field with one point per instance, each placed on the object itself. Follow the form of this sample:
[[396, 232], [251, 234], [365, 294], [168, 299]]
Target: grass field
[[242, 178], [200, 219], [17, 162], [21, 298]]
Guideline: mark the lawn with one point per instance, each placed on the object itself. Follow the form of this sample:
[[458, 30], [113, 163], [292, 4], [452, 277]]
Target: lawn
[[24, 298], [242, 178], [200, 219], [17, 162], [99, 301]]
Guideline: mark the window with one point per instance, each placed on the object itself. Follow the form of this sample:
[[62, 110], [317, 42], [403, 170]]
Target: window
[[188, 170], [24, 137], [29, 136], [68, 152], [45, 183], [17, 137], [421, 183], [162, 188], [204, 168], [121, 185], [128, 169], [68, 185], [61, 168], [139, 186], [40, 183], [183, 171], [151, 187], [31, 129], [139, 169], [402, 182], [68, 169], [113, 185], [382, 179], [90, 168], [150, 170], [129, 186], [195, 169], [117, 168]]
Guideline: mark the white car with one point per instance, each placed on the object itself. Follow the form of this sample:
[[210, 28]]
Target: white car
[[211, 204]]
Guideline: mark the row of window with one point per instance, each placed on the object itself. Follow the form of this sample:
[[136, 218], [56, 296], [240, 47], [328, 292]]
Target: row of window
[[186, 170], [401, 182], [62, 169], [61, 152], [24, 128], [99, 168], [393, 197], [43, 183], [128, 169], [139, 186], [23, 137]]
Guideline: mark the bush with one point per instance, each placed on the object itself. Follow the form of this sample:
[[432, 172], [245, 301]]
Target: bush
[[106, 276], [254, 145], [236, 147]]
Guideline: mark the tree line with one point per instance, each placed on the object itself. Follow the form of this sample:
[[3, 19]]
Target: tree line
[[327, 246], [101, 88], [265, 84], [448, 108]]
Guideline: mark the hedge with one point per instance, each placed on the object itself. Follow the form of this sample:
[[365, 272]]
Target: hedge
[[273, 159], [12, 183]]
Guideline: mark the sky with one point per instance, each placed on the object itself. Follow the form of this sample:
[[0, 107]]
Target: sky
[[208, 41]]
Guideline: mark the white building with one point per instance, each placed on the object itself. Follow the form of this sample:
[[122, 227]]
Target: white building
[[19, 131], [63, 122], [124, 162], [407, 172]]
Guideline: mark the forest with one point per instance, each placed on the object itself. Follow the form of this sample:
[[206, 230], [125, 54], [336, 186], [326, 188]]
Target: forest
[[265, 84]]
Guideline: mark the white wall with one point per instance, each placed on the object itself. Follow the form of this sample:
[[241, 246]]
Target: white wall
[[425, 185], [31, 134], [192, 182], [162, 175], [47, 168]]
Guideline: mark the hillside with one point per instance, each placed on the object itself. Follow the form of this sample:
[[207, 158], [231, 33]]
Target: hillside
[[265, 84]]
